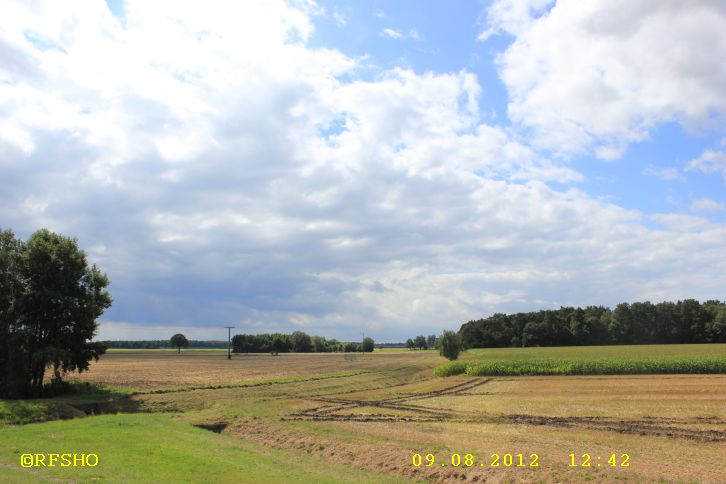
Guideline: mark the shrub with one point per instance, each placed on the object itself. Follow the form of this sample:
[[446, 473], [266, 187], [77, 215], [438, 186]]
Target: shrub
[[450, 345]]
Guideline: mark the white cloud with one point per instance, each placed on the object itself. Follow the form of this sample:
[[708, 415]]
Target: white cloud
[[222, 174], [596, 76], [414, 34], [680, 221], [392, 33], [395, 34], [710, 161], [339, 18], [665, 174], [512, 16], [707, 205]]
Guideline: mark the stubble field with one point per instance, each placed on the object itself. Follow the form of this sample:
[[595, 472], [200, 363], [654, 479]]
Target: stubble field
[[297, 418]]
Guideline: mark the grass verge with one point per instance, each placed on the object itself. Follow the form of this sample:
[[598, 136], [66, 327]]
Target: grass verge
[[157, 448]]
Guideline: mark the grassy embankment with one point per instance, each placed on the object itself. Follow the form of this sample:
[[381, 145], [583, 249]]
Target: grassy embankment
[[157, 448], [590, 360]]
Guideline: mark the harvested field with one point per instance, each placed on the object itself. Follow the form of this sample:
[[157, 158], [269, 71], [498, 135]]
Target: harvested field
[[152, 370], [372, 414]]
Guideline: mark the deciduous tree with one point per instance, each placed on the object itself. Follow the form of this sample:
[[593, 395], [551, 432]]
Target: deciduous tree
[[367, 344], [450, 345], [50, 301], [179, 341]]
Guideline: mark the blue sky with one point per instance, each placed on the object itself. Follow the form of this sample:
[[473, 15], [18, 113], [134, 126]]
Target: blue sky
[[396, 168]]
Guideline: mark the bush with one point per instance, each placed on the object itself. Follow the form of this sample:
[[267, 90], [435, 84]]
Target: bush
[[450, 369], [450, 345]]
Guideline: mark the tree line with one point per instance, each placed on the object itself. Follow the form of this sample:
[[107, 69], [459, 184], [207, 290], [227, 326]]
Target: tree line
[[422, 342], [298, 342], [162, 343], [687, 321], [448, 343], [49, 301]]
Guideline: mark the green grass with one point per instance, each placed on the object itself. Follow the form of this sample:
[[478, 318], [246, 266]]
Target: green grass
[[83, 395], [157, 448], [590, 360]]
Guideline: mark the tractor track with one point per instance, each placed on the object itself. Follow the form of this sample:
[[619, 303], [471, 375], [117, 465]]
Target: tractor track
[[340, 409], [400, 403]]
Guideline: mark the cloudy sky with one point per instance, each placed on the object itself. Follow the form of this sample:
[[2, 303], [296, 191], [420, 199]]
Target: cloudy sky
[[393, 168]]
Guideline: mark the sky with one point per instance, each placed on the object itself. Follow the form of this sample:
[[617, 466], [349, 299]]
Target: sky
[[368, 167]]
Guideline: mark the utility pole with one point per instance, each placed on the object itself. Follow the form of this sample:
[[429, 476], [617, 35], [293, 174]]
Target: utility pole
[[229, 342]]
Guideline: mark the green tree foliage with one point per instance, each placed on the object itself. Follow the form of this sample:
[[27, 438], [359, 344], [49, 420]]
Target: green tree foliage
[[686, 321], [279, 343], [450, 345], [431, 341], [282, 343], [367, 344], [244, 343], [301, 342], [717, 329], [319, 344], [332, 345], [179, 341], [49, 302], [410, 344], [420, 342]]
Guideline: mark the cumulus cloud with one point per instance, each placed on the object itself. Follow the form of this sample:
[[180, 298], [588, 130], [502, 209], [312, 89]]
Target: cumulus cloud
[[395, 34], [710, 161], [513, 16], [596, 76], [222, 171], [391, 33], [665, 174], [707, 205]]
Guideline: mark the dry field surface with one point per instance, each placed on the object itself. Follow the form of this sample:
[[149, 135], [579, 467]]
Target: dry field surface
[[150, 370], [376, 412]]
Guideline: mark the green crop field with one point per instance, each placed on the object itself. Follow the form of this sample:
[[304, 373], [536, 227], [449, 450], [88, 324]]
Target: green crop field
[[159, 416], [591, 360]]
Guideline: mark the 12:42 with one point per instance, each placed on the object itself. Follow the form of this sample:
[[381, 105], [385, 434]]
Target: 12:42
[[585, 460]]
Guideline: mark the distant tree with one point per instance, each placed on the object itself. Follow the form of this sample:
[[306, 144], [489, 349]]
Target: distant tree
[[717, 329], [301, 342], [450, 345], [431, 341], [420, 342], [350, 347], [367, 345], [279, 343], [244, 343], [319, 344], [534, 334], [410, 344], [49, 302], [621, 324], [179, 341]]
